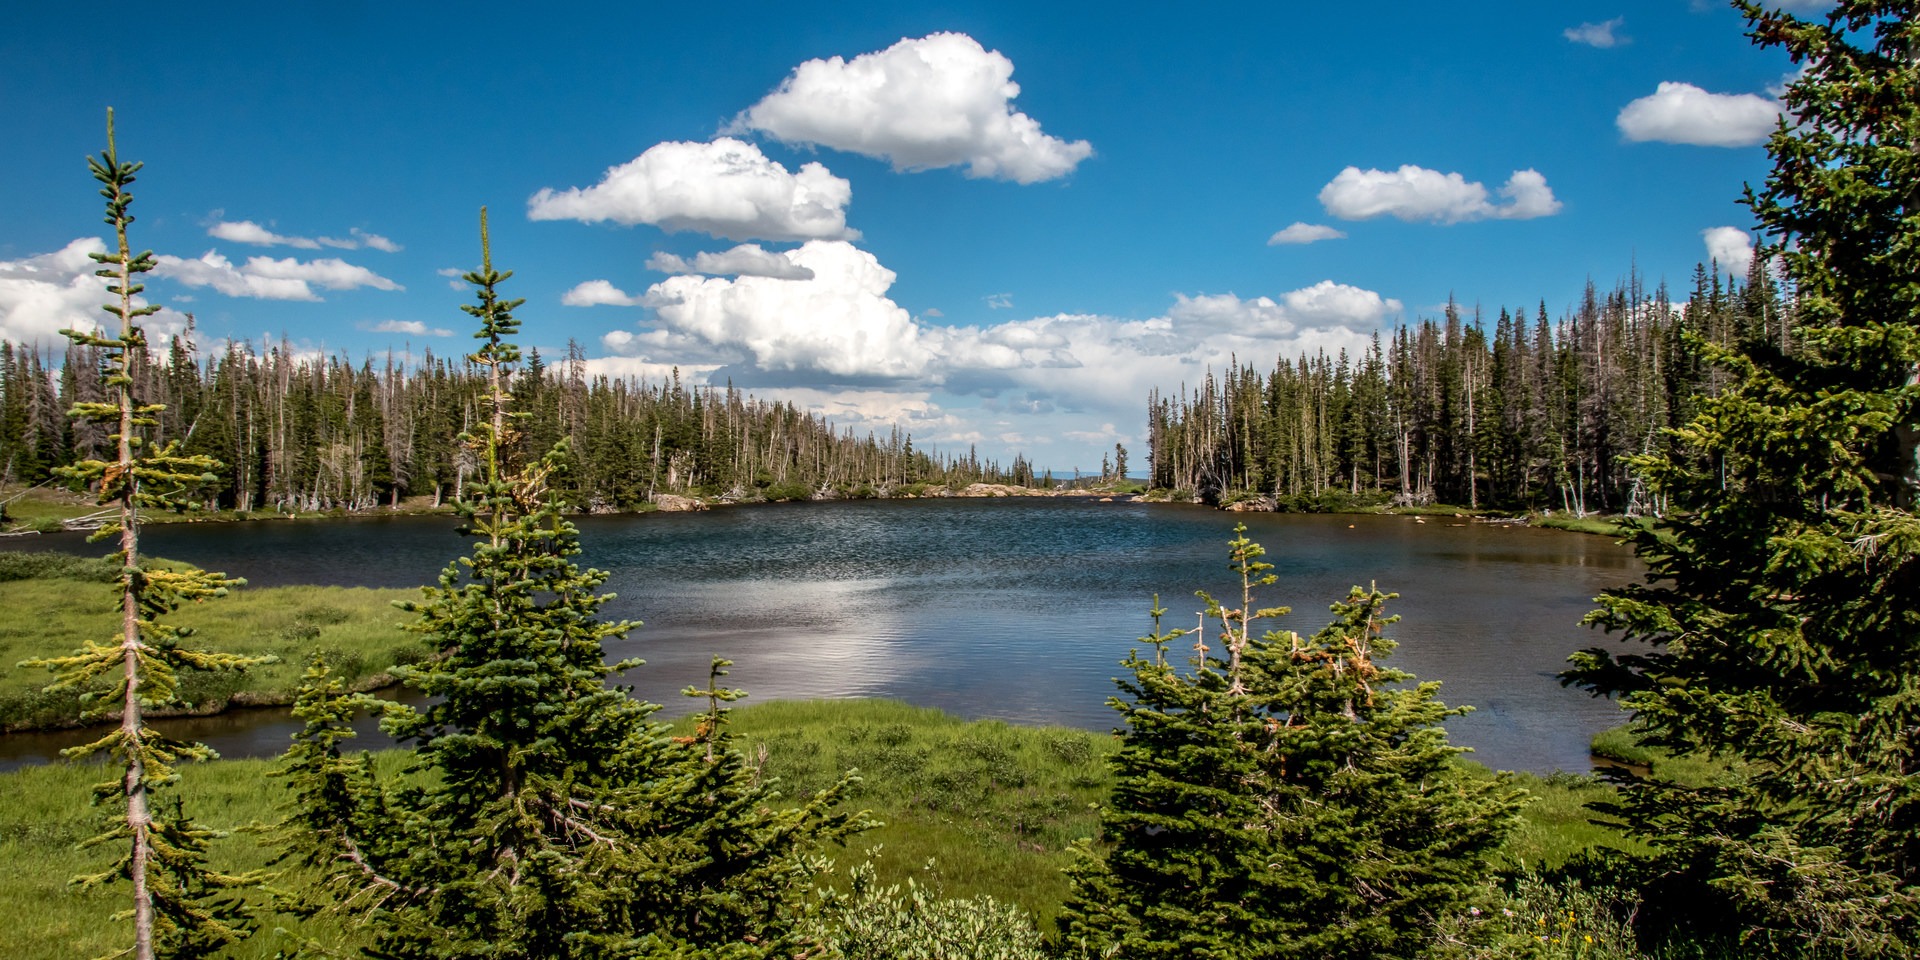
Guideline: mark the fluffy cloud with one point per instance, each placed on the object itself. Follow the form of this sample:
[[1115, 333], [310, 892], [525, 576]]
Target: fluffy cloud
[[248, 232], [646, 369], [841, 325], [746, 260], [1328, 304], [840, 322], [409, 327], [41, 295], [266, 278], [1415, 193], [1305, 233], [374, 241], [1684, 113], [1325, 304], [598, 293], [838, 345], [1598, 34], [726, 188], [1729, 247], [938, 101]]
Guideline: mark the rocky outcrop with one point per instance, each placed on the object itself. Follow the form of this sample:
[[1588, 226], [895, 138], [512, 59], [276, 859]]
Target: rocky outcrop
[[1253, 505], [673, 503]]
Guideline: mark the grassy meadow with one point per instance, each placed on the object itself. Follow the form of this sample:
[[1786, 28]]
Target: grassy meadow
[[969, 808], [73, 601]]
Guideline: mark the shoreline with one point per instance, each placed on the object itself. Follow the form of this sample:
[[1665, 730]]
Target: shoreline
[[1593, 524]]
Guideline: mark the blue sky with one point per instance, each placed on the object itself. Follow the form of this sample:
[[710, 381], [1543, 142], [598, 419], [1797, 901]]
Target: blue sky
[[851, 207]]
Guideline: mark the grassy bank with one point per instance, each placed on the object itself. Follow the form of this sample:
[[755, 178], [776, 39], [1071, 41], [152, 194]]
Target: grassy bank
[[969, 808], [73, 601], [1622, 746], [1601, 526], [46, 509]]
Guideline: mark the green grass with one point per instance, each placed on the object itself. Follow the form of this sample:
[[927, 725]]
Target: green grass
[[1557, 824], [1600, 526], [1621, 745], [970, 808], [45, 813], [356, 629], [993, 807], [43, 509]]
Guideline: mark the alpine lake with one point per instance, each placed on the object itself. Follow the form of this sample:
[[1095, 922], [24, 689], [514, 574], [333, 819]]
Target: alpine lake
[[1019, 609]]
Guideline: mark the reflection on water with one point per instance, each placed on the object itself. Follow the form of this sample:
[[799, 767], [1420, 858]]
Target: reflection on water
[[1017, 609]]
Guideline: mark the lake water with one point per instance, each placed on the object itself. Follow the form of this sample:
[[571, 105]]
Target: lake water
[[1019, 609]]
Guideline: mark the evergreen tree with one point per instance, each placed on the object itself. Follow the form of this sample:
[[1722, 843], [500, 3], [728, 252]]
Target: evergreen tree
[[181, 907], [1783, 604], [1286, 797], [559, 821]]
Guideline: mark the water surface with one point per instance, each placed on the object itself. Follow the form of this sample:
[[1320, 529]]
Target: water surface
[[1018, 609]]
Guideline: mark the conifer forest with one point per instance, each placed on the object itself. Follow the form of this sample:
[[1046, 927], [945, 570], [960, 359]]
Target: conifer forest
[[1522, 410], [1266, 794], [299, 433]]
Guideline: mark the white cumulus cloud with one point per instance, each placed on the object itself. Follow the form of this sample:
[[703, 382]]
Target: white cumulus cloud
[[840, 322], [598, 293], [1600, 34], [745, 260], [374, 241], [411, 327], [726, 188], [1325, 304], [330, 274], [1298, 233], [1684, 113], [42, 295], [1729, 247], [266, 278], [938, 101], [837, 344], [1415, 193], [248, 232]]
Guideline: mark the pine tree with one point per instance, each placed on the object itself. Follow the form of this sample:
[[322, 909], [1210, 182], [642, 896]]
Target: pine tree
[[1783, 603], [559, 820], [1286, 797], [181, 907]]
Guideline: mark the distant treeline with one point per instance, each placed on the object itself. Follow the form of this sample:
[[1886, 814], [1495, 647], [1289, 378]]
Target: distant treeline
[[299, 433], [1534, 413]]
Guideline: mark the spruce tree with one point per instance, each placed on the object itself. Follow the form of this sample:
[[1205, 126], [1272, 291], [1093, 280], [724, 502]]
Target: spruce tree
[[1284, 797], [558, 820], [181, 907], [1782, 608]]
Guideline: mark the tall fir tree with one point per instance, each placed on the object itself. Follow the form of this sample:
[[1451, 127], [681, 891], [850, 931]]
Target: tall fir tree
[[559, 820], [181, 906], [1286, 797], [1782, 610]]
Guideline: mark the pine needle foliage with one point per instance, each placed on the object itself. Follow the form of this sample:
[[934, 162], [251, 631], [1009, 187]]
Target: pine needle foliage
[[1284, 797], [1781, 615], [555, 819], [181, 907]]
